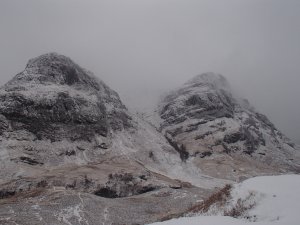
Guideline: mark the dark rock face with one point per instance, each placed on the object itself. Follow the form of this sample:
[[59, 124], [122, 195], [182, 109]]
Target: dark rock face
[[216, 105], [46, 118], [125, 185], [207, 106], [6, 194], [30, 161], [180, 148], [252, 140], [3, 124], [54, 98]]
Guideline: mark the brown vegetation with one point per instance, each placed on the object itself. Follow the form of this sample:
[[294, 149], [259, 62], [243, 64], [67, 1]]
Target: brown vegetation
[[240, 207], [219, 198]]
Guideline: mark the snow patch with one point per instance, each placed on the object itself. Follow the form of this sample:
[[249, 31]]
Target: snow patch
[[277, 201]]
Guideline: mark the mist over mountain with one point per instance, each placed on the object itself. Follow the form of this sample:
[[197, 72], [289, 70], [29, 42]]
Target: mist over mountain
[[144, 111], [64, 132], [141, 48]]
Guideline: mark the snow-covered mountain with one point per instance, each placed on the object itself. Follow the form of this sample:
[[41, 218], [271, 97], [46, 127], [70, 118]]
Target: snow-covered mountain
[[66, 133], [72, 153], [221, 133]]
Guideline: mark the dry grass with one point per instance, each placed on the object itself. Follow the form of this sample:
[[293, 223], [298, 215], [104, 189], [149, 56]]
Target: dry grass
[[241, 206], [219, 198]]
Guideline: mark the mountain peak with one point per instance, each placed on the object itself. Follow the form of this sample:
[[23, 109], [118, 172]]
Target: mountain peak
[[54, 98], [54, 68], [210, 78], [48, 58]]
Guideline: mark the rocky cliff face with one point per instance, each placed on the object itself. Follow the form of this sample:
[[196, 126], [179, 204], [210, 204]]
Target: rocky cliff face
[[55, 99], [207, 124]]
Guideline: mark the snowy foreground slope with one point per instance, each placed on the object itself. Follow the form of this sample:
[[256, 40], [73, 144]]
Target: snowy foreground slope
[[276, 200]]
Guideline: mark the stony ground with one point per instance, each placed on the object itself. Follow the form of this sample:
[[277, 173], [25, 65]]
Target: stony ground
[[65, 207]]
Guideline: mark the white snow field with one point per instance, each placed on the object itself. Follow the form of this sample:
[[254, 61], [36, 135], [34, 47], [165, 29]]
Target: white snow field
[[276, 201]]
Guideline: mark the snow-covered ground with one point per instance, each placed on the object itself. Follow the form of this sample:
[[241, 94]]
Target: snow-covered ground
[[276, 198]]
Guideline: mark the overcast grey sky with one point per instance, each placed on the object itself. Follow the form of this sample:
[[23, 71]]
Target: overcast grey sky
[[143, 47]]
